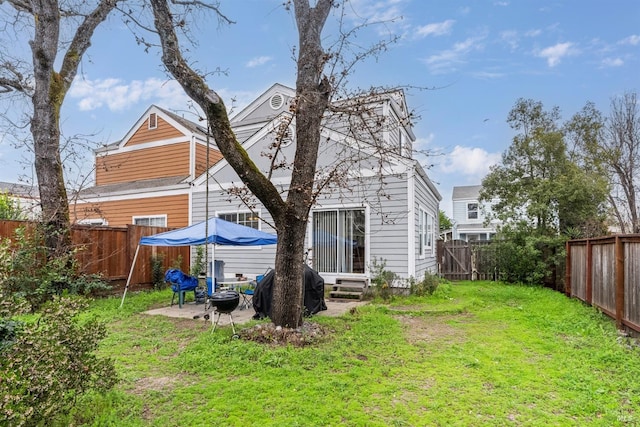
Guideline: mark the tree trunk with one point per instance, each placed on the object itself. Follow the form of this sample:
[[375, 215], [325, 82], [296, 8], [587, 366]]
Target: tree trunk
[[50, 88], [46, 130], [287, 302], [312, 97]]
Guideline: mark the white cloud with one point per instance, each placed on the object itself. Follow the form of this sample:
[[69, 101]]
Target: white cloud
[[554, 54], [435, 29], [376, 11], [633, 40], [469, 161], [511, 38], [260, 60], [612, 62], [533, 33], [447, 60], [118, 95]]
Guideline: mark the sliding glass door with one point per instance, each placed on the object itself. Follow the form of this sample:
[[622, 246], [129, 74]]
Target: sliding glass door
[[339, 241]]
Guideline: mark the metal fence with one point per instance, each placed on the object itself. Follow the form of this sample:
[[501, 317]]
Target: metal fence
[[605, 273], [109, 251]]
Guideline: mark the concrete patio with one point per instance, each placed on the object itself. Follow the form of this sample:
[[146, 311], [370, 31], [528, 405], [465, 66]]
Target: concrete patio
[[191, 310]]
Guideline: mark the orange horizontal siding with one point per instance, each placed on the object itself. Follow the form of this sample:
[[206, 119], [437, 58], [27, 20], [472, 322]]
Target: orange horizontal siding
[[121, 212], [163, 131], [156, 162], [201, 158]]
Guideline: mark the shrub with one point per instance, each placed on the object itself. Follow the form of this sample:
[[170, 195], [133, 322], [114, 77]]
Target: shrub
[[27, 272], [427, 286], [157, 272], [48, 363], [199, 265], [381, 279]]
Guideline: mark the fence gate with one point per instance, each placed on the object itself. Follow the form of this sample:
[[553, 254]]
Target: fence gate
[[461, 260], [454, 257]]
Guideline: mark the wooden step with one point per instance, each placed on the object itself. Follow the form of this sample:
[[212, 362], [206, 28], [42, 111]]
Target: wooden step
[[345, 295]]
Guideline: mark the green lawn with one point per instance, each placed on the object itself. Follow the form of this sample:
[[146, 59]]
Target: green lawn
[[474, 354]]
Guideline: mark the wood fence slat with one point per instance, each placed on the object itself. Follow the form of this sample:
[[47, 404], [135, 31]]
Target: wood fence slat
[[109, 251], [605, 272]]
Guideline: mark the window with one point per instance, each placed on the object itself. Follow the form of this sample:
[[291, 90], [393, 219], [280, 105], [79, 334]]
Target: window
[[155, 221], [339, 241], [153, 121], [472, 211], [425, 233], [248, 219], [96, 221]]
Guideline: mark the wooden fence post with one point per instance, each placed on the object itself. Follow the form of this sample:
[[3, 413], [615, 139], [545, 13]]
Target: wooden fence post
[[567, 274], [589, 284], [619, 253]]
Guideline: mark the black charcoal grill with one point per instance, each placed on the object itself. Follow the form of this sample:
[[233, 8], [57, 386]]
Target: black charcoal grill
[[224, 302]]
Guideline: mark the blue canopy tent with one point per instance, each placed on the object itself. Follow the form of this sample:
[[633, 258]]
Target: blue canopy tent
[[214, 231]]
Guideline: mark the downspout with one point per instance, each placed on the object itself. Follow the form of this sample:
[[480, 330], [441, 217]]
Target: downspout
[[411, 222]]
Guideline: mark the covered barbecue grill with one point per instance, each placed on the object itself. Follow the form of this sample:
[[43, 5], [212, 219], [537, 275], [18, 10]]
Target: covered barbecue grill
[[313, 294]]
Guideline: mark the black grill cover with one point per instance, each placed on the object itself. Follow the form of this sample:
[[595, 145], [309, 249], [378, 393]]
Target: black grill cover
[[313, 294]]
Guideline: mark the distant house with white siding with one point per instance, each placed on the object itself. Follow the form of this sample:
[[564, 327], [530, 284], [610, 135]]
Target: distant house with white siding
[[470, 215], [27, 197]]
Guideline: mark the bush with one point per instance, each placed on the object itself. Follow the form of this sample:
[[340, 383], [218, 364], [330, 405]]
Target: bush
[[48, 363], [27, 272], [527, 257], [157, 272], [427, 286], [381, 280]]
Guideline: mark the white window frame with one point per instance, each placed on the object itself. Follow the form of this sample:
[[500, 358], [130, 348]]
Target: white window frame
[[476, 211], [338, 210], [426, 233], [242, 212], [93, 221], [162, 217], [153, 121], [247, 211]]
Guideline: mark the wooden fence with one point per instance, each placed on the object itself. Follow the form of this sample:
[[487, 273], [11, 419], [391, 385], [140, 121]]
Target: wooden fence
[[109, 251], [462, 260], [605, 272]]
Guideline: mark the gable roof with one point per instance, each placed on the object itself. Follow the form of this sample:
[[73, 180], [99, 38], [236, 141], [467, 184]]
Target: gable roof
[[246, 112], [466, 192], [181, 124]]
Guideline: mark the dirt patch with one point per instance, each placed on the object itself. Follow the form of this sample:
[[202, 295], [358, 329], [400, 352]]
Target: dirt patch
[[154, 384], [268, 333], [432, 328]]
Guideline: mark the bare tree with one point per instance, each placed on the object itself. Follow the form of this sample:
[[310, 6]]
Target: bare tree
[[622, 145], [320, 73], [46, 88], [611, 146]]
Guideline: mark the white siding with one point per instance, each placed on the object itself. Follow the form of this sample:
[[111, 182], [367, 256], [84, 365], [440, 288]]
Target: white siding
[[247, 260]]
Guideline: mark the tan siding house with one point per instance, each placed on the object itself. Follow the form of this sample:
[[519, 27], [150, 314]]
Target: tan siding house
[[146, 177]]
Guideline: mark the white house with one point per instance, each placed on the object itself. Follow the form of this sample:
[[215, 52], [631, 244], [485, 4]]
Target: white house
[[26, 196], [470, 215], [386, 209]]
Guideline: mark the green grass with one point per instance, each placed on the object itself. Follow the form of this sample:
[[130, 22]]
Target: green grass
[[473, 354]]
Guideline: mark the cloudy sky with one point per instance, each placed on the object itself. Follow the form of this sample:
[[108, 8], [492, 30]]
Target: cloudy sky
[[464, 64]]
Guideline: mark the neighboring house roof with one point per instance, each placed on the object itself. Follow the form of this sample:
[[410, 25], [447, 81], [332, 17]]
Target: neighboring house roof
[[466, 192], [19, 190], [191, 126], [132, 187]]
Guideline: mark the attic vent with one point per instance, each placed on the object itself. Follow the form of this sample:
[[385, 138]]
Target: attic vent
[[276, 101], [153, 121]]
